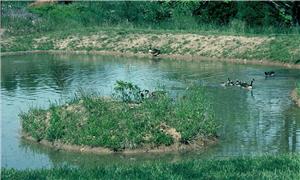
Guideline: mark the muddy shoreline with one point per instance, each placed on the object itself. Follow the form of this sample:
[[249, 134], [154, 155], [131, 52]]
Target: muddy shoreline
[[174, 56], [177, 147]]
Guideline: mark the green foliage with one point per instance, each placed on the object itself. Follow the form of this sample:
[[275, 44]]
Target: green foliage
[[127, 91], [34, 122], [56, 128], [263, 167], [179, 15]]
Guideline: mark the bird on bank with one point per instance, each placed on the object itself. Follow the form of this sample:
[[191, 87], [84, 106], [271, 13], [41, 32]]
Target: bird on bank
[[144, 93], [269, 74], [154, 51]]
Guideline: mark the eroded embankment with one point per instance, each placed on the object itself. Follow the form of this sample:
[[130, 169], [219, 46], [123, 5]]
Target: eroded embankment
[[177, 147], [261, 49]]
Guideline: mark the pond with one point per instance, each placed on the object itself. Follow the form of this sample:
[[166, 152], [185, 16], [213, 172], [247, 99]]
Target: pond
[[263, 120]]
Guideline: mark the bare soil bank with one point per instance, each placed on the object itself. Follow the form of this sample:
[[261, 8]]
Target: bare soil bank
[[177, 147], [255, 49]]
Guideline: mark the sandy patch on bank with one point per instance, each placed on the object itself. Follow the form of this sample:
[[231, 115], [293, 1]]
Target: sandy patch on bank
[[210, 45], [38, 41], [66, 43]]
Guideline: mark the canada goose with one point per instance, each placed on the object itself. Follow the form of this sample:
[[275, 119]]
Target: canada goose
[[246, 85], [227, 83], [231, 83], [269, 74], [238, 83], [154, 51], [144, 93]]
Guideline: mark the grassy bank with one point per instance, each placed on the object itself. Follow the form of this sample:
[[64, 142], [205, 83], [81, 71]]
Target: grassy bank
[[208, 44], [265, 167], [125, 123]]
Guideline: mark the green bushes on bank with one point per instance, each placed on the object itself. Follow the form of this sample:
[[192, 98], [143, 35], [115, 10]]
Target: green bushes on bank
[[238, 17]]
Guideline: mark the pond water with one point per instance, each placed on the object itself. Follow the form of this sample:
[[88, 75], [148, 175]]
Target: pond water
[[263, 120]]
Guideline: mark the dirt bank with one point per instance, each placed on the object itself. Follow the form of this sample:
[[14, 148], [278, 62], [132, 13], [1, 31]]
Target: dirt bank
[[177, 45], [178, 147]]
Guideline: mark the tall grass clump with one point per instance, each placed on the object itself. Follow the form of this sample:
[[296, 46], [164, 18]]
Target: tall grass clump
[[125, 121]]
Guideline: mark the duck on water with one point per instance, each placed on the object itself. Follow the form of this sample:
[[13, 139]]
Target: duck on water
[[228, 83], [246, 85], [269, 73]]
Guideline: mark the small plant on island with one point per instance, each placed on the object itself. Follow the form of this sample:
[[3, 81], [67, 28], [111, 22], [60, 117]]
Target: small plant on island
[[127, 91], [125, 122]]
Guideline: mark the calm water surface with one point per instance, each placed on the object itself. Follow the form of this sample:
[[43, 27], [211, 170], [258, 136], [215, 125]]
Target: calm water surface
[[263, 120]]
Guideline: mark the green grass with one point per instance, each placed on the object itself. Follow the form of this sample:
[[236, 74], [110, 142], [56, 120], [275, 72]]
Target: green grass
[[101, 122], [55, 17], [264, 167]]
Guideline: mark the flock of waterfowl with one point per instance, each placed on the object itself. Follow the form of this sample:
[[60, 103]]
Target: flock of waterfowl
[[244, 84], [238, 83]]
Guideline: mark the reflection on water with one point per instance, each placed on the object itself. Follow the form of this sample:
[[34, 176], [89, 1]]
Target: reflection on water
[[263, 120]]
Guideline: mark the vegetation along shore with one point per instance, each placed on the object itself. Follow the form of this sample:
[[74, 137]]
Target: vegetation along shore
[[232, 40]]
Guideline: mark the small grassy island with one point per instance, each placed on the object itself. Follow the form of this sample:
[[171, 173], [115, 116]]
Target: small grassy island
[[133, 120]]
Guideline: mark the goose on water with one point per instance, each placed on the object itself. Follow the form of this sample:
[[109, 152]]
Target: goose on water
[[228, 83], [246, 85], [269, 74]]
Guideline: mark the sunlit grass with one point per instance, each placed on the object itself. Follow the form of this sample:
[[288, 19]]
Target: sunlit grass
[[264, 167]]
